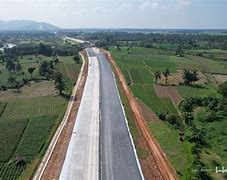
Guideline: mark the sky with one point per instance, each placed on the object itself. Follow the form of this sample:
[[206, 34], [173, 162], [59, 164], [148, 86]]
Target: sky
[[156, 14]]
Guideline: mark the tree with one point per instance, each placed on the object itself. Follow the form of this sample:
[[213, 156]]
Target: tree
[[166, 74], [190, 76], [223, 89], [10, 66], [18, 67], [44, 49], [12, 81], [59, 82], [157, 76], [76, 59], [188, 118], [179, 51], [51, 64], [46, 69], [56, 60], [31, 70]]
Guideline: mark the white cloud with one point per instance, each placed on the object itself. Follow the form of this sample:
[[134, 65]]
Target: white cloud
[[97, 10], [183, 3], [125, 6], [149, 4]]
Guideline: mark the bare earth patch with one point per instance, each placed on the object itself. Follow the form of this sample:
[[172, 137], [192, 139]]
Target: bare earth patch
[[219, 78], [38, 89], [148, 114], [176, 78], [168, 91]]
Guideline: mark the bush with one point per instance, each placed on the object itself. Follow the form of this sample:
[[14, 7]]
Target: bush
[[212, 103], [3, 88], [188, 118], [175, 120], [211, 116], [223, 89], [186, 105], [162, 116]]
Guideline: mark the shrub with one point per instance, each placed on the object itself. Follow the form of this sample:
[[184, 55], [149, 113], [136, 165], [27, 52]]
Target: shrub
[[188, 118], [162, 116], [186, 105], [211, 116], [175, 120], [223, 89], [3, 88]]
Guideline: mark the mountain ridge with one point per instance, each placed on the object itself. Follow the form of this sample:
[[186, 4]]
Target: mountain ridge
[[26, 25]]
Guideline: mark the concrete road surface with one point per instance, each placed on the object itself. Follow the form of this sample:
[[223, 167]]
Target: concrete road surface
[[117, 157], [82, 157]]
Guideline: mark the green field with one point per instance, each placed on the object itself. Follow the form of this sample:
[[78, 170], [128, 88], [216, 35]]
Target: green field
[[30, 116], [69, 69], [201, 91], [180, 153], [66, 66], [24, 127], [138, 66]]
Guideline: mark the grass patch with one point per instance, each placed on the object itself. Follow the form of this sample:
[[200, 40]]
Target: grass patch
[[147, 94], [179, 153], [200, 91], [2, 107], [70, 71]]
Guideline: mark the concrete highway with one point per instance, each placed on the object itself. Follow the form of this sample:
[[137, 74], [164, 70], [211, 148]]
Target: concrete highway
[[101, 146], [82, 157], [117, 157]]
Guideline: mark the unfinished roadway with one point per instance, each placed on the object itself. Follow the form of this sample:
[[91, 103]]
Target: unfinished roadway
[[101, 146], [82, 157]]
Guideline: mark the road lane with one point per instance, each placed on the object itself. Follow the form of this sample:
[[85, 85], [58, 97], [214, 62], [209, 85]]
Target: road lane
[[117, 157], [82, 157]]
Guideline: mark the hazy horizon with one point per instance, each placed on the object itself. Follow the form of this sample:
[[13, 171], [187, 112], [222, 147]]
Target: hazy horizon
[[116, 14]]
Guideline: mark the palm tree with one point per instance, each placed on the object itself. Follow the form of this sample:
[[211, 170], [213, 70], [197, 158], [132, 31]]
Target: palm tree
[[166, 74], [59, 82], [157, 75]]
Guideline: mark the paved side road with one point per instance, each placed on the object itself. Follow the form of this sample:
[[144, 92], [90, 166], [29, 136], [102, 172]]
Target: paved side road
[[117, 158], [82, 157]]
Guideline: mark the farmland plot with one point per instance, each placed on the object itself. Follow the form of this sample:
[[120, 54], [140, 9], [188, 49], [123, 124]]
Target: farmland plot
[[24, 128]]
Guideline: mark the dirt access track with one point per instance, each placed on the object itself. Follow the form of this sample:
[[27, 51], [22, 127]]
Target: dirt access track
[[161, 160]]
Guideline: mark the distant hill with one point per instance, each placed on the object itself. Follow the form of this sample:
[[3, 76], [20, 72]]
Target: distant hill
[[24, 25]]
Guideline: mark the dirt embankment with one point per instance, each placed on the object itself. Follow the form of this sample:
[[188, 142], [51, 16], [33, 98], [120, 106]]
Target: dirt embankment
[[158, 157], [54, 166]]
